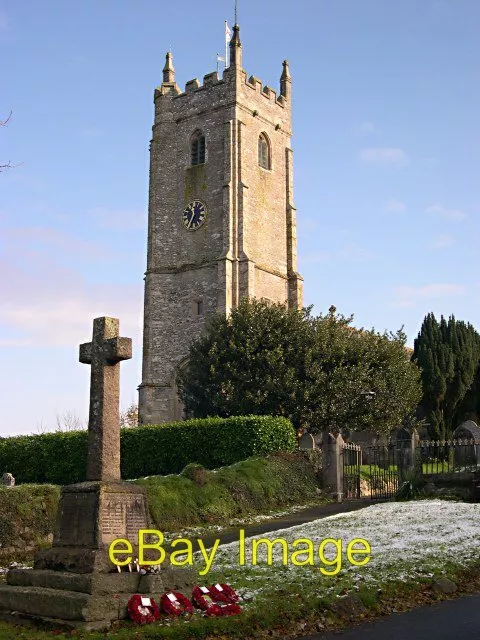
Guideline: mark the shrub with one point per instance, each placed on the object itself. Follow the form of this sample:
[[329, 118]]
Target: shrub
[[27, 518], [60, 458], [196, 473]]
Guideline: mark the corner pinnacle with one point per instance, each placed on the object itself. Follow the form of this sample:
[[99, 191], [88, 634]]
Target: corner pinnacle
[[168, 70]]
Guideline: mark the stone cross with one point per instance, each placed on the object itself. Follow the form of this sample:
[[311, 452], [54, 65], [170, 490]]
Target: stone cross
[[104, 353]]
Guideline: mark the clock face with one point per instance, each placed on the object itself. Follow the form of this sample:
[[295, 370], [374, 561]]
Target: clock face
[[194, 215]]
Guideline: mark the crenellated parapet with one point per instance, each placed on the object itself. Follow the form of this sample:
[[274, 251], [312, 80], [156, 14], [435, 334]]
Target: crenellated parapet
[[264, 90], [232, 80]]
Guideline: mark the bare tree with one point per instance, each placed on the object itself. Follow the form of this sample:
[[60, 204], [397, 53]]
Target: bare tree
[[8, 165], [40, 427], [69, 421]]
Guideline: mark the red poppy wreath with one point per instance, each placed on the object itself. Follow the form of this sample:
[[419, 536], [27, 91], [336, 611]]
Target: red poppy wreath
[[175, 603], [142, 610], [218, 590], [213, 604]]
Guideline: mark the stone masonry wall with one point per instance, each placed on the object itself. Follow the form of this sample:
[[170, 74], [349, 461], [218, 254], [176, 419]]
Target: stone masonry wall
[[241, 249]]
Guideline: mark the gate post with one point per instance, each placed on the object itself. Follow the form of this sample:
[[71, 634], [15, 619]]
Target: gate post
[[406, 459], [332, 462]]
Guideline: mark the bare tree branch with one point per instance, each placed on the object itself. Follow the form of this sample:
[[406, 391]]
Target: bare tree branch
[[8, 165], [3, 123]]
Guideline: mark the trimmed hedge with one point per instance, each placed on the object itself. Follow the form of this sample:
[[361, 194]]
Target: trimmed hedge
[[195, 497], [60, 458]]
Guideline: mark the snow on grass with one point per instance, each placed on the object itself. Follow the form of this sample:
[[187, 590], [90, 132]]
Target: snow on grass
[[209, 529], [407, 539]]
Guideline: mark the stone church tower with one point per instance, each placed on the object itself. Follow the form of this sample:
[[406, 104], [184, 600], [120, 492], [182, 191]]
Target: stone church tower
[[221, 222]]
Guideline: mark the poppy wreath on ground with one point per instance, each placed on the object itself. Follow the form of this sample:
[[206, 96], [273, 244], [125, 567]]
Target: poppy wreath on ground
[[142, 610], [231, 609], [175, 603], [218, 590], [213, 604]]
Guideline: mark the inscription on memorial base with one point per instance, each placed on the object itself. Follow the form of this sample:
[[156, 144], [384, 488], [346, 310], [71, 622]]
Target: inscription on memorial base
[[91, 515], [121, 516]]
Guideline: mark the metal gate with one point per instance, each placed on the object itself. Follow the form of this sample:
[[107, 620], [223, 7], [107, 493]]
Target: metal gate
[[383, 471], [352, 460]]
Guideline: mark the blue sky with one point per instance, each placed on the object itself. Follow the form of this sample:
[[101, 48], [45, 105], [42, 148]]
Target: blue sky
[[387, 159]]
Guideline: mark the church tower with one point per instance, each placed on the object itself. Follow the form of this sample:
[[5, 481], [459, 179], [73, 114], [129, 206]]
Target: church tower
[[221, 223]]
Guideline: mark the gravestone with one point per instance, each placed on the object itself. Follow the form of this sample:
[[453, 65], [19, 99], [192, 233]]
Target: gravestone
[[466, 451], [8, 480], [307, 441], [74, 584], [367, 440]]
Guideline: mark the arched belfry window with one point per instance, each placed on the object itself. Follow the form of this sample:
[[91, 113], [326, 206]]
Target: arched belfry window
[[197, 148], [264, 151]]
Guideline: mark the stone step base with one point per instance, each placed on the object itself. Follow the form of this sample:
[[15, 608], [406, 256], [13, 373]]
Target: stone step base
[[54, 603], [53, 624], [59, 599], [97, 583], [170, 578]]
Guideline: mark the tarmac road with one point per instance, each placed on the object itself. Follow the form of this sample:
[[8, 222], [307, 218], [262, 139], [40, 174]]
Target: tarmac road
[[449, 620]]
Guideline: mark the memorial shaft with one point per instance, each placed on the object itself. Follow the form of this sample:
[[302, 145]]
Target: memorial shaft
[[104, 354]]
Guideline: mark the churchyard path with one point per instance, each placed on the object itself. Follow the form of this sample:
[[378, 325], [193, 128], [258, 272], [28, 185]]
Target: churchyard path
[[285, 521], [449, 620]]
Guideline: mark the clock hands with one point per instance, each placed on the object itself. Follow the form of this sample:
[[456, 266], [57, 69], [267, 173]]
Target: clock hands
[[192, 211], [194, 215]]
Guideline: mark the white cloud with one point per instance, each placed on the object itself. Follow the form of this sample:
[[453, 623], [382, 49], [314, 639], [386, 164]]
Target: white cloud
[[59, 313], [384, 156], [408, 296], [443, 212], [443, 240], [395, 206], [368, 127], [47, 304], [39, 239]]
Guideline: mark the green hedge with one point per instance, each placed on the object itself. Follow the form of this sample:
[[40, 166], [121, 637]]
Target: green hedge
[[60, 458]]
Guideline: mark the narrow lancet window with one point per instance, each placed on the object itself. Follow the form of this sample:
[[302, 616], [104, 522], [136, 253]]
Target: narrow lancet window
[[198, 148], [263, 151]]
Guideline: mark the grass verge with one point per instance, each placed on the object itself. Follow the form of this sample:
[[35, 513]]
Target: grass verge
[[287, 613], [194, 497]]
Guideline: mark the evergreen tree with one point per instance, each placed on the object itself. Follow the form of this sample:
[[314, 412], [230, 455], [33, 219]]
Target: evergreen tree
[[267, 359], [448, 354]]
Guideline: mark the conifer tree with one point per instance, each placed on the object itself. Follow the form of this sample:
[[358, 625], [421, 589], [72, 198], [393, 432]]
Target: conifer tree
[[448, 354]]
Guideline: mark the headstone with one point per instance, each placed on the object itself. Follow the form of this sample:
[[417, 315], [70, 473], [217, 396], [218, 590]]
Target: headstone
[[367, 439], [466, 447], [8, 480], [307, 441], [74, 584]]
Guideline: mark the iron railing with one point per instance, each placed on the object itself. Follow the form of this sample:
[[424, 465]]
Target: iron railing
[[447, 456]]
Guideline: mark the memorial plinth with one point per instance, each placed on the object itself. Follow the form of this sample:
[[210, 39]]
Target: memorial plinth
[[74, 584], [91, 515]]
